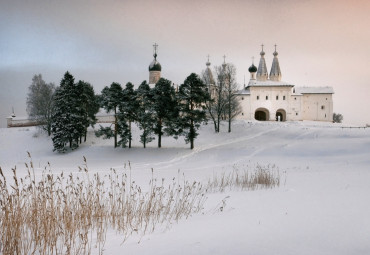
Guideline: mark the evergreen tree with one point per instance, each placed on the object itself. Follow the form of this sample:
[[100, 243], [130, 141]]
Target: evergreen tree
[[67, 119], [40, 102], [192, 97], [130, 107], [90, 105], [165, 110], [145, 118], [111, 100]]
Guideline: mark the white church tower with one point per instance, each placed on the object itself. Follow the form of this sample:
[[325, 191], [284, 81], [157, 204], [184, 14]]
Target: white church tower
[[275, 73], [262, 74]]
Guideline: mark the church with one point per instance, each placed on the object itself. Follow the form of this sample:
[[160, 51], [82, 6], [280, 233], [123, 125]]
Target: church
[[268, 98]]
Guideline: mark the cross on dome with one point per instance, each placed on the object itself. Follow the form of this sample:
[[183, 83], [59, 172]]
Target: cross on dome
[[155, 46], [208, 63]]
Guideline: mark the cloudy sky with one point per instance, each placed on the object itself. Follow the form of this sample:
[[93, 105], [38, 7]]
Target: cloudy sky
[[320, 43]]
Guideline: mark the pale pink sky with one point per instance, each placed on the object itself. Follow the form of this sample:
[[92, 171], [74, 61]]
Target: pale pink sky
[[320, 43]]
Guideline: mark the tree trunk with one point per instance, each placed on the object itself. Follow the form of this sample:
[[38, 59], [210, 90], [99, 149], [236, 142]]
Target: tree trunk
[[229, 111], [115, 128], [218, 124], [192, 135], [49, 128], [85, 135], [130, 136], [160, 134]]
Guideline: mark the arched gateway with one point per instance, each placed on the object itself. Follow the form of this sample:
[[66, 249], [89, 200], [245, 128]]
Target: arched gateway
[[280, 115], [262, 114]]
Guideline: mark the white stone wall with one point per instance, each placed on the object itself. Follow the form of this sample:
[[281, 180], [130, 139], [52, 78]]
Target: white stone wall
[[317, 107], [245, 104], [295, 107], [278, 98]]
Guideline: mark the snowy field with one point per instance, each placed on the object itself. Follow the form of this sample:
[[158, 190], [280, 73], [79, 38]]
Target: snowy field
[[321, 207]]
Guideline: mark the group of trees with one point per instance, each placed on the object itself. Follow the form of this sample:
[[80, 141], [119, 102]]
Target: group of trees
[[156, 111], [66, 112], [74, 108], [224, 104]]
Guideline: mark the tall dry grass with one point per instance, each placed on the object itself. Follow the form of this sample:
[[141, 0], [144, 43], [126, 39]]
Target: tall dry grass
[[62, 214], [261, 177]]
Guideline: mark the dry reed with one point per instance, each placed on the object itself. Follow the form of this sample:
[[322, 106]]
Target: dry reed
[[61, 214]]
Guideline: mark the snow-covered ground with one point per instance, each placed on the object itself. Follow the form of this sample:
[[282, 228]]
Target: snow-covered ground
[[321, 207]]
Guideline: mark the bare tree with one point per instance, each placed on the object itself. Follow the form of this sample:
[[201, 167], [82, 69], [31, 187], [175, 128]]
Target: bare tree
[[40, 102], [233, 106], [210, 104]]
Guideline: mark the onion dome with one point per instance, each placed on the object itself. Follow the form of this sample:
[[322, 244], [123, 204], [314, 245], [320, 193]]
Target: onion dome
[[154, 65], [252, 69]]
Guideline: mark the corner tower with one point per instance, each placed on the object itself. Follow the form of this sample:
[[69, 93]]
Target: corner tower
[[155, 67]]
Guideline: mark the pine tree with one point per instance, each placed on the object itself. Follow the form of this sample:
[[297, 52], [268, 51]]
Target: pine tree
[[111, 100], [67, 119], [130, 106], [165, 109], [145, 118], [90, 105], [192, 97]]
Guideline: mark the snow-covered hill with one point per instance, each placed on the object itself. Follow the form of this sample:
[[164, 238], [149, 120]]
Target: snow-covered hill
[[321, 208]]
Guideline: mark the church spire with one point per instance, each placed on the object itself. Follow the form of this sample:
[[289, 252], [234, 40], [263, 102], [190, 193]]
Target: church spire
[[208, 73], [275, 73], [262, 74]]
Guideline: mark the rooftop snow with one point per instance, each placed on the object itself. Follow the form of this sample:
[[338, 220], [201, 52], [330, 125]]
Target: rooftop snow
[[268, 83], [244, 91], [314, 90]]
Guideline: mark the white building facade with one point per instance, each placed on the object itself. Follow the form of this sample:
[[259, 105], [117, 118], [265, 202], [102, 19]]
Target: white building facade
[[267, 98]]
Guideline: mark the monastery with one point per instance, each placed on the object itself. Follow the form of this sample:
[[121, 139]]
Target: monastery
[[266, 97]]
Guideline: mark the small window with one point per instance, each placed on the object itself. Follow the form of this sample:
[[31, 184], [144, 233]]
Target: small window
[[283, 97], [322, 107], [325, 115], [258, 97], [242, 113], [277, 97], [242, 98], [295, 98], [267, 97], [296, 113], [326, 98]]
